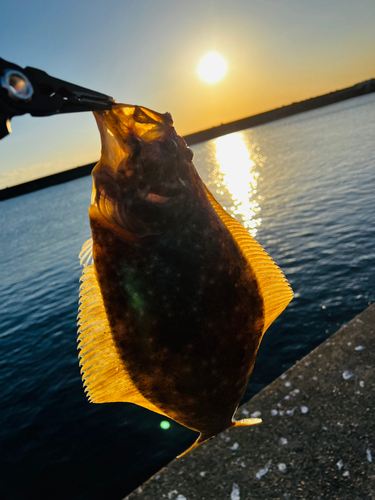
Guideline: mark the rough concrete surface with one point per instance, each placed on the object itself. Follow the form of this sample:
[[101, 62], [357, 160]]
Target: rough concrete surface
[[317, 439]]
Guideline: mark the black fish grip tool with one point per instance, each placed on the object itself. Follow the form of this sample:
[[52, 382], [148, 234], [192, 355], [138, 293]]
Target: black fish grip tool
[[33, 91]]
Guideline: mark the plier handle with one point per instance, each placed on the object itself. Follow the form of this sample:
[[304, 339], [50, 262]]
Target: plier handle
[[33, 91]]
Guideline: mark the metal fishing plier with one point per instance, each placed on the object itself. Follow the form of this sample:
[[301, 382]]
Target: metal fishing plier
[[33, 91]]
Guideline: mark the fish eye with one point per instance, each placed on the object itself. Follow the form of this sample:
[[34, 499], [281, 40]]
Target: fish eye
[[189, 155], [170, 145]]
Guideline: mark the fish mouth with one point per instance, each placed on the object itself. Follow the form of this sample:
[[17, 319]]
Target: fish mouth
[[142, 173], [125, 119], [123, 130]]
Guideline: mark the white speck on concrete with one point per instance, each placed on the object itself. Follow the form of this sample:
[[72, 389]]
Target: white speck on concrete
[[245, 412], [294, 392], [225, 438], [281, 413], [281, 467], [235, 446], [287, 396], [240, 461], [286, 495], [274, 413], [172, 493], [283, 441], [340, 464], [157, 477], [361, 383], [235, 495], [340, 424], [349, 344], [288, 384], [283, 376], [325, 428], [368, 455], [347, 375], [264, 471], [346, 473], [256, 414], [203, 473], [315, 378], [290, 412], [304, 409], [307, 363], [359, 321], [181, 497], [357, 392], [359, 348], [300, 377]]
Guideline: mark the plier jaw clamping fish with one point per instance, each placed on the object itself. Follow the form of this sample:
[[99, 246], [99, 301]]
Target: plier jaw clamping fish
[[33, 91]]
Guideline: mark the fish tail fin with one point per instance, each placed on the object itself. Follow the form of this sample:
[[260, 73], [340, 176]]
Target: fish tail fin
[[201, 439], [245, 422]]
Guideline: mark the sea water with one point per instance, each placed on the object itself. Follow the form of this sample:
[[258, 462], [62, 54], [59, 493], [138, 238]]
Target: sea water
[[304, 186]]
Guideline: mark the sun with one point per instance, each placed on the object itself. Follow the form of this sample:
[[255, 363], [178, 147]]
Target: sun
[[212, 68]]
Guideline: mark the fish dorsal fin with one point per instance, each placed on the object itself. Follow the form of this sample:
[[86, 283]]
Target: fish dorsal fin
[[85, 256], [104, 374], [274, 288]]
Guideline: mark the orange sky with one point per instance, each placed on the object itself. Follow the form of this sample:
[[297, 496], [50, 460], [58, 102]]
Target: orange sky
[[146, 53]]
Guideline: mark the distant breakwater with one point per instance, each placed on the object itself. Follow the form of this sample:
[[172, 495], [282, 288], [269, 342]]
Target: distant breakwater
[[360, 89], [357, 90]]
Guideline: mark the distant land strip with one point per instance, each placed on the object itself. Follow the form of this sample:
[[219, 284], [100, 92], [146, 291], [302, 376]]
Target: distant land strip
[[359, 89]]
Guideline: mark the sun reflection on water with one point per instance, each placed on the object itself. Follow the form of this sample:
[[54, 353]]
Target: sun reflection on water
[[235, 174]]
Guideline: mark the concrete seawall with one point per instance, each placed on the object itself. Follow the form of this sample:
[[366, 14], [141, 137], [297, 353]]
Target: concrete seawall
[[317, 439]]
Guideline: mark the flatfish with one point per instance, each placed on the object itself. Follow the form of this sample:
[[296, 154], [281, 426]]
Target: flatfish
[[176, 295]]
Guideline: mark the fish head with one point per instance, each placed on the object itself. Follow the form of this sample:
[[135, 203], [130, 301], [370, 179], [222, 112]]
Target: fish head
[[145, 173]]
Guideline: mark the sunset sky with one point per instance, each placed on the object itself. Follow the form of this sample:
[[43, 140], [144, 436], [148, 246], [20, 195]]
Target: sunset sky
[[147, 52]]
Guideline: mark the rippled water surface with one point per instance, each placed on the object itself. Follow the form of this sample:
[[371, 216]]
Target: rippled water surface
[[303, 185]]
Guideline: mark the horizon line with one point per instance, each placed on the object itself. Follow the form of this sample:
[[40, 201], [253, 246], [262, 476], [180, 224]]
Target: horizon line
[[357, 90]]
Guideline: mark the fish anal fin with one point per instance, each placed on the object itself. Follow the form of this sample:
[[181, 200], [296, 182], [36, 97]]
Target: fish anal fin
[[104, 374], [274, 288]]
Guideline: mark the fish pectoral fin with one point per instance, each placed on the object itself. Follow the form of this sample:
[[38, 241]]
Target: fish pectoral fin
[[245, 422], [273, 286], [105, 377], [201, 439]]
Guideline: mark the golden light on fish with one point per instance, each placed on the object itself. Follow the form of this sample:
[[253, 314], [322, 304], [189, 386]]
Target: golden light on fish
[[212, 68], [176, 295], [237, 174]]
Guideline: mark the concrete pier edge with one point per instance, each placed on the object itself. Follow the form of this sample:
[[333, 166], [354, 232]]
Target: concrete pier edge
[[316, 441]]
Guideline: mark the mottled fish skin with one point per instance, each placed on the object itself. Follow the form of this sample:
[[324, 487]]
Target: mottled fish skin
[[181, 312], [183, 304]]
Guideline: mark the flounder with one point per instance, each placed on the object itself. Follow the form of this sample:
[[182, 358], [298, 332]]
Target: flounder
[[176, 295]]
